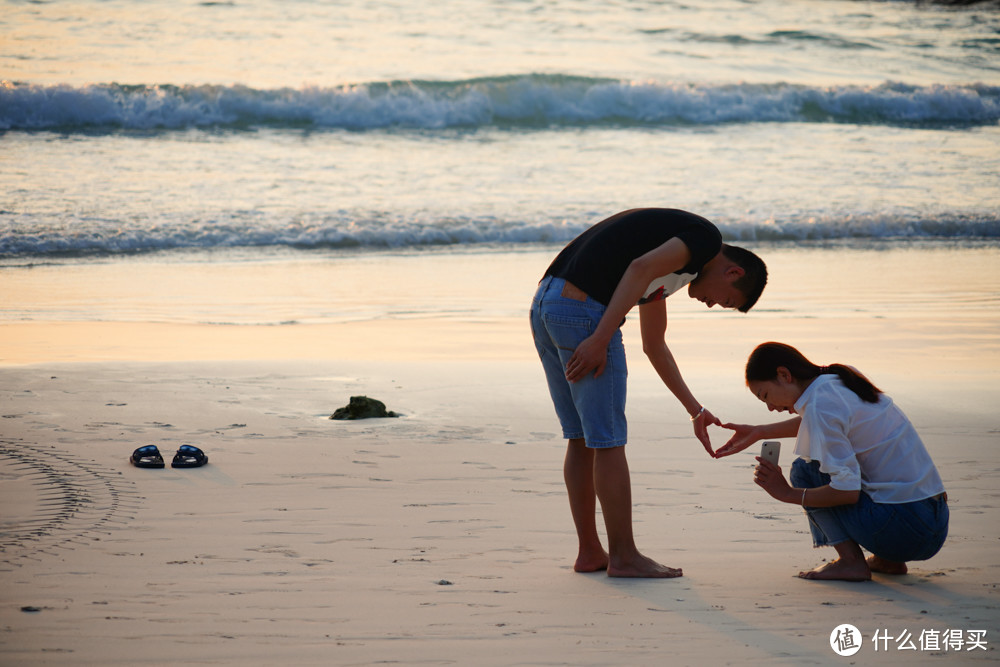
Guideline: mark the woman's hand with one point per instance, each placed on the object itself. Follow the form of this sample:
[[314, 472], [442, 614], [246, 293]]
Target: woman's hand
[[744, 436], [770, 478], [590, 354], [701, 423]]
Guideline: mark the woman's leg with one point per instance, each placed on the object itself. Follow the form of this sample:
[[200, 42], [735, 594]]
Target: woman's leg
[[886, 566], [850, 566], [824, 522], [828, 529], [894, 534], [897, 533]]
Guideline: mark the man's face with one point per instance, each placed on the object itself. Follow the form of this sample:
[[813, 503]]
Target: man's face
[[716, 288]]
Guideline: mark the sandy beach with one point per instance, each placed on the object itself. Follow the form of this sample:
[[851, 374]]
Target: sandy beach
[[221, 220], [444, 536]]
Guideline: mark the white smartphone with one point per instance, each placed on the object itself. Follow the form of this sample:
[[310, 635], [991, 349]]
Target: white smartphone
[[770, 451]]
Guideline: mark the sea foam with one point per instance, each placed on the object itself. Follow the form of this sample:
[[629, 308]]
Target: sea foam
[[512, 101], [23, 237]]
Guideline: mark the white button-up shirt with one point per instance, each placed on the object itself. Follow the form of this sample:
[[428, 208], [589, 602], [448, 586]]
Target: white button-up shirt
[[871, 447]]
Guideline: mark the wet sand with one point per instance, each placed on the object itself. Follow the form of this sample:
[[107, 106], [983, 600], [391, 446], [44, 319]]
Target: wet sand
[[444, 536]]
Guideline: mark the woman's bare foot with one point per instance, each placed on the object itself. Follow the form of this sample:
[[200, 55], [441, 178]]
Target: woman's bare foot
[[877, 564], [642, 567], [840, 570], [593, 561]]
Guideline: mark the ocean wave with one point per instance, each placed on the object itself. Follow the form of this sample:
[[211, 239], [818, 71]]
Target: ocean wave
[[511, 101], [772, 38], [21, 237]]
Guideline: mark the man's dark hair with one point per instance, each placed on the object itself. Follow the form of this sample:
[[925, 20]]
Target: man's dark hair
[[754, 274]]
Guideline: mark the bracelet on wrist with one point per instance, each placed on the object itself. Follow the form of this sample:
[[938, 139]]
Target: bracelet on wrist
[[699, 413]]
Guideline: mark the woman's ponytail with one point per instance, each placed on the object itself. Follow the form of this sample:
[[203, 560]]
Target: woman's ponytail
[[764, 361]]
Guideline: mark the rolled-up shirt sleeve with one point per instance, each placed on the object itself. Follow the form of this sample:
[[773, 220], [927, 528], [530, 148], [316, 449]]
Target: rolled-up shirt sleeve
[[827, 427]]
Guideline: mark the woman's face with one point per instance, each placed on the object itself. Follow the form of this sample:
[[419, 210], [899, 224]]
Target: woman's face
[[780, 394]]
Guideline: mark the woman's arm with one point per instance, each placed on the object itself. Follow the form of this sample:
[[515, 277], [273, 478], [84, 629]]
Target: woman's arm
[[747, 434], [770, 478]]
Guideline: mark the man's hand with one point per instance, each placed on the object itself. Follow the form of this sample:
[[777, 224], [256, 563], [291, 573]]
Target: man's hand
[[743, 437], [590, 355], [701, 423]]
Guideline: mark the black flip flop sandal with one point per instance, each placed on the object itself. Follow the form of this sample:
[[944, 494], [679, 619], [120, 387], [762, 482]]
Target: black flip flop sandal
[[189, 456], [146, 457]]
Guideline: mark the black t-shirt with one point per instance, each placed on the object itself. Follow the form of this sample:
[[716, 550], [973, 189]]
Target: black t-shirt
[[596, 260]]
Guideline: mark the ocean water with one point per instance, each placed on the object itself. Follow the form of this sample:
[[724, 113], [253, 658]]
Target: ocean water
[[258, 131]]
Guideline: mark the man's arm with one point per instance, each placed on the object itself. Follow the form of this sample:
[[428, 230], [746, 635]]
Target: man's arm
[[592, 353], [653, 325]]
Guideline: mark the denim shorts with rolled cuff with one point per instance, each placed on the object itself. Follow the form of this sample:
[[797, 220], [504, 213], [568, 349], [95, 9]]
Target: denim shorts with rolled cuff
[[897, 532], [593, 408]]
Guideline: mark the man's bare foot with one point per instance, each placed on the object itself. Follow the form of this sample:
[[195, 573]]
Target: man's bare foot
[[591, 562], [884, 566], [840, 570], [642, 567]]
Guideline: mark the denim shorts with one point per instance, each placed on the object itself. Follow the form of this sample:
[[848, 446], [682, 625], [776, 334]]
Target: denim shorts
[[898, 532], [592, 408]]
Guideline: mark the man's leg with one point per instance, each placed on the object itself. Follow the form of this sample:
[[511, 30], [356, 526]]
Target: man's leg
[[578, 471], [613, 485]]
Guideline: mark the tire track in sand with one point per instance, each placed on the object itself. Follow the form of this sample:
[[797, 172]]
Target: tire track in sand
[[53, 503]]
